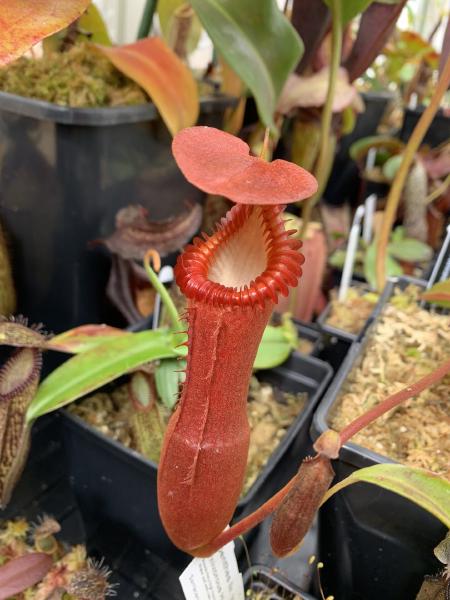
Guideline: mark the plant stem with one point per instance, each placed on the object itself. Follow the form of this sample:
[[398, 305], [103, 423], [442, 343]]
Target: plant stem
[[323, 163], [412, 146], [147, 19], [161, 290], [394, 400], [248, 522], [438, 191]]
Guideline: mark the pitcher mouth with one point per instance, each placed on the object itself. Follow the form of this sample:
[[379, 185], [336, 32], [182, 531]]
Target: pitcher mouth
[[249, 260]]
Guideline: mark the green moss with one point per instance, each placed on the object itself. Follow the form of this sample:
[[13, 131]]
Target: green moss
[[80, 77]]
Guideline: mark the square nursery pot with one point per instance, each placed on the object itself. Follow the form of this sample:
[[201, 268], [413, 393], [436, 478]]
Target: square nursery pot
[[437, 133], [44, 489], [262, 579], [341, 333], [373, 542], [331, 348], [64, 174], [116, 485], [344, 183]]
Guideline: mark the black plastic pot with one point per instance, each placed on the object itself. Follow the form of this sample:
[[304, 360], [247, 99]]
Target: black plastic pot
[[437, 133], [373, 542], [64, 174], [341, 333], [299, 373], [344, 182], [44, 489], [116, 485], [262, 579]]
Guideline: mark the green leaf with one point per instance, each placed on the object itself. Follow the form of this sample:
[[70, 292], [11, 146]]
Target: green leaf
[[351, 8], [276, 345], [169, 374], [407, 72], [105, 362], [337, 259], [439, 294], [429, 491], [398, 234], [393, 269], [83, 338], [410, 250], [91, 27], [257, 41], [391, 166]]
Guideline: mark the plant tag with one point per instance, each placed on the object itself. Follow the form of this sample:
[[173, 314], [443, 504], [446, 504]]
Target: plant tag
[[213, 578]]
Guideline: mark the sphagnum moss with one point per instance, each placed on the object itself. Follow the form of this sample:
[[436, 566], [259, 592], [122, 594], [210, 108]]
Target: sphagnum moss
[[407, 342], [80, 77]]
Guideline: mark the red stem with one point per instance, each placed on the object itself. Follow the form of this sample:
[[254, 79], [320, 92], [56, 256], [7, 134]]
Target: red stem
[[392, 401], [247, 523]]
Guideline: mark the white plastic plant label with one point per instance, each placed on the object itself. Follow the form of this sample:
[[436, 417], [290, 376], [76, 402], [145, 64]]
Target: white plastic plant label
[[214, 578]]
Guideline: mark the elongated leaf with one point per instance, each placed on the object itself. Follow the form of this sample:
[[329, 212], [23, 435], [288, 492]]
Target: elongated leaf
[[410, 250], [105, 362], [83, 338], [439, 294], [93, 27], [421, 487], [445, 48], [257, 41], [351, 8], [165, 78], [375, 27], [21, 573], [311, 19], [275, 347], [23, 23], [169, 375], [393, 269]]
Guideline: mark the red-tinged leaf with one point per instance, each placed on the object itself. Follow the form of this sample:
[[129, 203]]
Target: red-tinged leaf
[[439, 294], [83, 338], [219, 163], [165, 78], [445, 48], [377, 23], [311, 19], [21, 573], [24, 23]]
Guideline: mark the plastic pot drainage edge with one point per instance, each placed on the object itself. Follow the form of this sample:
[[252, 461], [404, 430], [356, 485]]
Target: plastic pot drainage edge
[[365, 530], [116, 484]]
